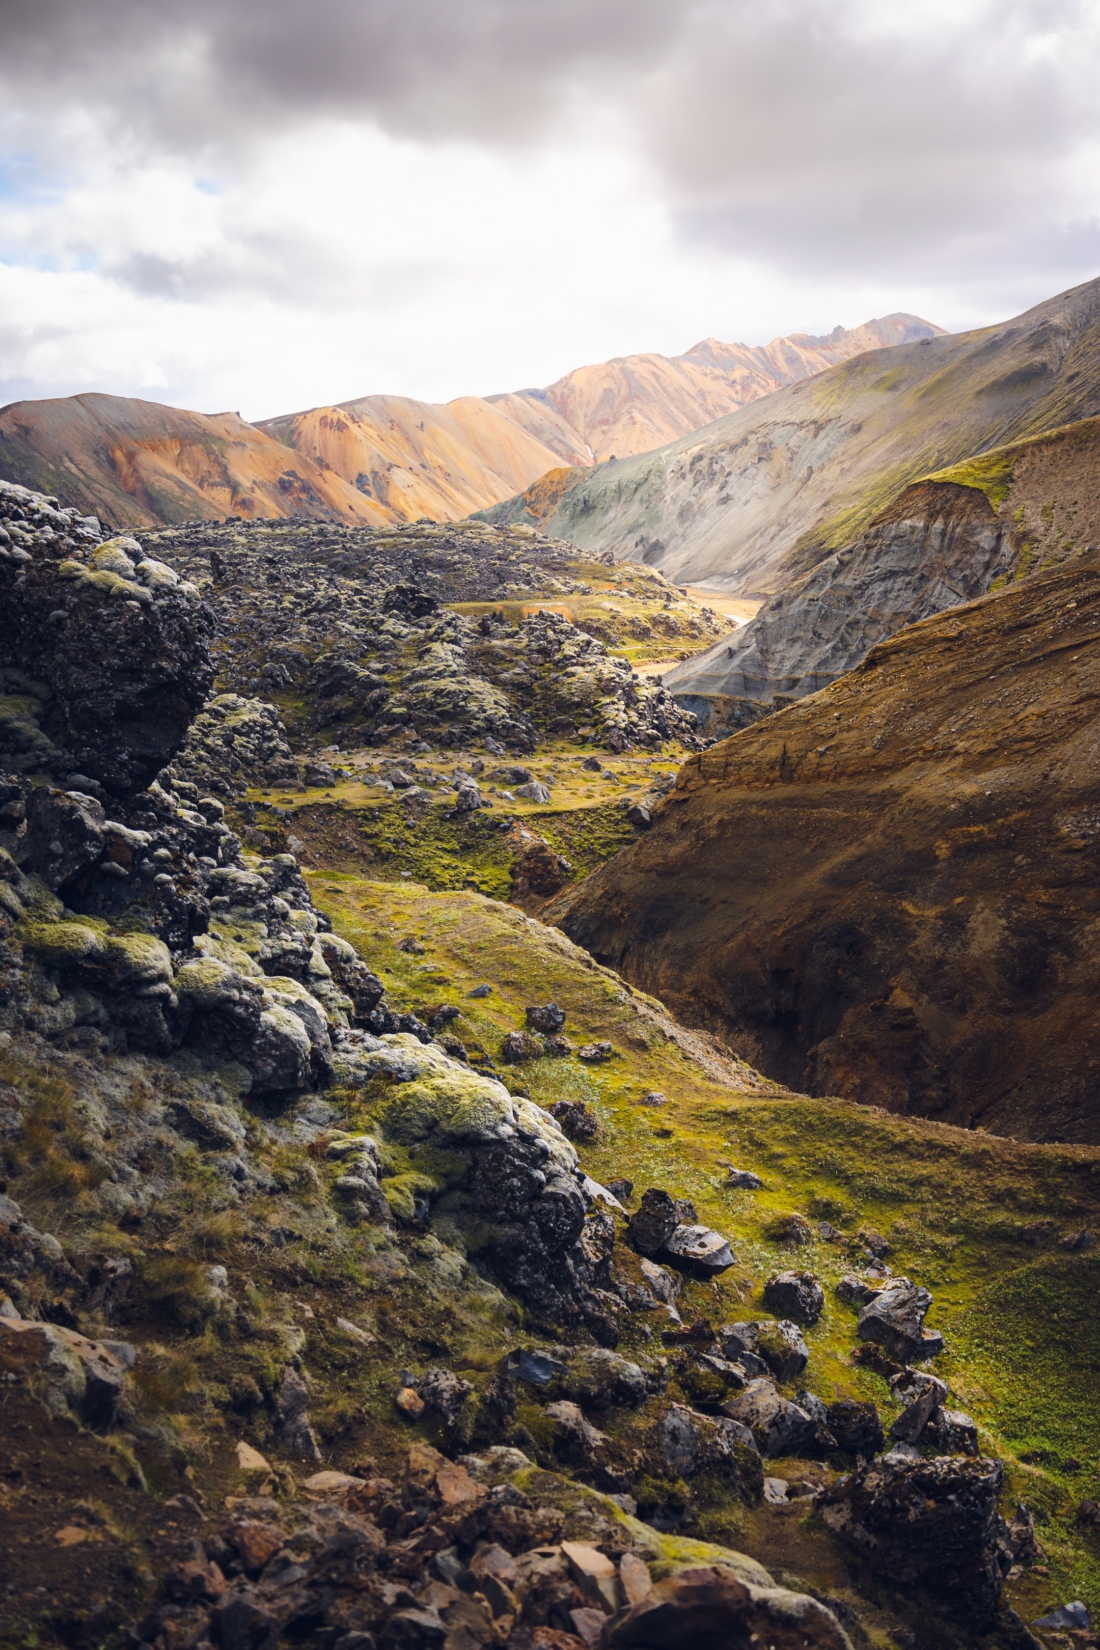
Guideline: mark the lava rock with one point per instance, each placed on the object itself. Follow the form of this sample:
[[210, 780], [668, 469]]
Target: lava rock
[[547, 1018], [895, 1320], [857, 1427], [795, 1295], [925, 1524]]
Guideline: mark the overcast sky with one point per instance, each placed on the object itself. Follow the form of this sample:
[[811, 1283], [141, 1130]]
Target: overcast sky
[[264, 205]]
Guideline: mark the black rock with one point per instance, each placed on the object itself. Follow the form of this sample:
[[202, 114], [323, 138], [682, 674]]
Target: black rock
[[925, 1524], [895, 1320], [856, 1427], [795, 1295], [547, 1018]]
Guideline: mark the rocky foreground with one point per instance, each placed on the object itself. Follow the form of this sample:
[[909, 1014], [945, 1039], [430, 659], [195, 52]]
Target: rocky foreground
[[561, 1420]]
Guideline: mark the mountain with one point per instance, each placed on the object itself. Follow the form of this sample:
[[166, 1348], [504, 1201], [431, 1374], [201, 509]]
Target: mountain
[[142, 463], [386, 458], [888, 890], [638, 402], [416, 459], [970, 528], [758, 498]]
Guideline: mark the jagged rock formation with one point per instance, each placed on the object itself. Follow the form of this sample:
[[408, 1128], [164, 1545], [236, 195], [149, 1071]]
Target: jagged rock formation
[[759, 498], [388, 458], [144, 930], [1003, 515], [105, 657], [886, 891], [378, 656]]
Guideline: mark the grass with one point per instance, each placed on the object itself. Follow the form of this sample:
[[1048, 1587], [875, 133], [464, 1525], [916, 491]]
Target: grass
[[1023, 1340]]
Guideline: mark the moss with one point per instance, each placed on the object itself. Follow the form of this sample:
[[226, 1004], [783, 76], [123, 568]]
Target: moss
[[63, 944], [403, 1192], [137, 959]]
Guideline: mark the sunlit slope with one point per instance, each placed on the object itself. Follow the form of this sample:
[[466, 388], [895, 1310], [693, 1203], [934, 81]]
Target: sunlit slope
[[758, 497], [138, 463]]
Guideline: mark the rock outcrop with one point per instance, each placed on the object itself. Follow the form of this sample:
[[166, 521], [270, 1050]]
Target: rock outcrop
[[377, 655], [886, 891]]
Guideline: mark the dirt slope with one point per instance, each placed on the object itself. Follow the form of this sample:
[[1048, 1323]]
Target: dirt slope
[[416, 459], [139, 463], [1011, 512], [755, 500], [888, 890]]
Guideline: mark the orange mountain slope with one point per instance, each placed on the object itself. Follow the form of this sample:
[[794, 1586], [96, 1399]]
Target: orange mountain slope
[[387, 458], [137, 463], [637, 402], [414, 458]]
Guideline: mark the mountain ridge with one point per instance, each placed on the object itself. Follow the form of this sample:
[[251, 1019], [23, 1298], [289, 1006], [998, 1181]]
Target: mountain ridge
[[390, 458], [757, 499]]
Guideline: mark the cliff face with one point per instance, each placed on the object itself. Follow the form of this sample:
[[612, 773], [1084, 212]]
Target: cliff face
[[943, 541], [141, 463], [759, 498], [888, 891]]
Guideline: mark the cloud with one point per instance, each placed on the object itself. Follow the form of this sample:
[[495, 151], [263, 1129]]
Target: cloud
[[226, 202], [794, 130]]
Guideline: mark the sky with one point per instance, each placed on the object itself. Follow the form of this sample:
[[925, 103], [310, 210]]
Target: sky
[[259, 205]]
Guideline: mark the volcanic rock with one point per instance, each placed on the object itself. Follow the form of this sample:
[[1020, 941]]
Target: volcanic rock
[[925, 1524]]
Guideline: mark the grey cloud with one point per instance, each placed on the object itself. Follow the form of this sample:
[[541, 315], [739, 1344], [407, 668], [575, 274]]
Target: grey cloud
[[797, 131]]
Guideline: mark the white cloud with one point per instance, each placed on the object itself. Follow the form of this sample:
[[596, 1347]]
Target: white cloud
[[224, 210]]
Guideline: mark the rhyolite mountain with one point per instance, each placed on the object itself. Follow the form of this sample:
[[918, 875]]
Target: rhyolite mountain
[[387, 458], [754, 501], [888, 890], [1004, 515]]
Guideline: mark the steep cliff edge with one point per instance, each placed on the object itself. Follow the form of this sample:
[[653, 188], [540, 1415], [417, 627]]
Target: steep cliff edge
[[888, 890], [1001, 515]]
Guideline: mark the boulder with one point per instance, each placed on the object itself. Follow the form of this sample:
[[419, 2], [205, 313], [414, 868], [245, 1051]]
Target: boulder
[[778, 1426], [547, 1018], [698, 1251], [951, 1432], [688, 1443], [925, 1524], [654, 1223], [921, 1394], [122, 656], [856, 1427], [576, 1120], [602, 1379], [782, 1348], [575, 1439], [795, 1295], [895, 1320], [710, 1608]]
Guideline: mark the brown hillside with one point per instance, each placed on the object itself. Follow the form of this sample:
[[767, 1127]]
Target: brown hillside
[[889, 890], [139, 463]]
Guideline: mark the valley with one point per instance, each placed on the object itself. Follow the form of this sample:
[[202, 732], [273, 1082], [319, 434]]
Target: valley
[[544, 1107]]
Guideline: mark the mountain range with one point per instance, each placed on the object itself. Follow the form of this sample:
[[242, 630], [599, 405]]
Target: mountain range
[[388, 458], [759, 497]]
